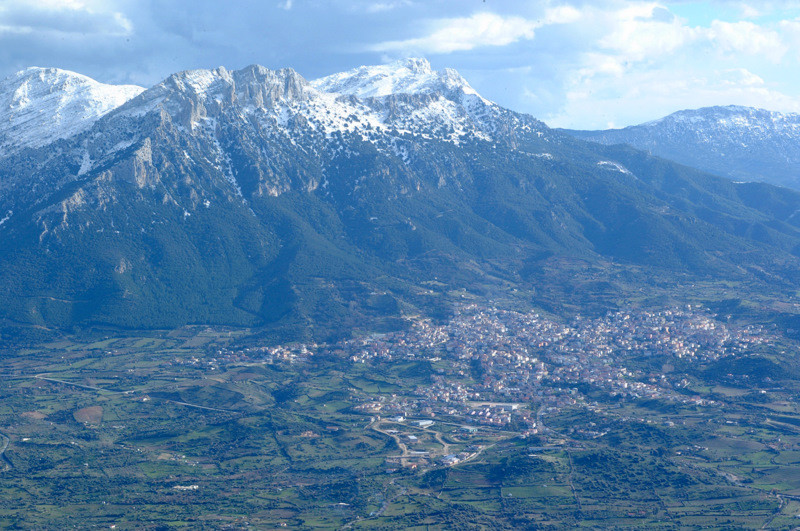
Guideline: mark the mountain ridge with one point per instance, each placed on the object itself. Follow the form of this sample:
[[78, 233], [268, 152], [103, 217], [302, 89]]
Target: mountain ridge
[[250, 198], [741, 143]]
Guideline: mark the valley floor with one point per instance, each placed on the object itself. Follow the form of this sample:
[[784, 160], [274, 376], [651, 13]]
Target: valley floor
[[492, 420]]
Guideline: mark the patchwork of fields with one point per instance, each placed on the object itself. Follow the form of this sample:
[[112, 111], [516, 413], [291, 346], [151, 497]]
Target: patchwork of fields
[[157, 430]]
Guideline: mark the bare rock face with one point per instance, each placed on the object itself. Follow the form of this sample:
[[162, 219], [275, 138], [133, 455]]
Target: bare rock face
[[199, 94], [138, 168], [261, 87]]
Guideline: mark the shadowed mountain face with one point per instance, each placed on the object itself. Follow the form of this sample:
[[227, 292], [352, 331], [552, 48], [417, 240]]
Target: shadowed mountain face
[[254, 197], [741, 143]]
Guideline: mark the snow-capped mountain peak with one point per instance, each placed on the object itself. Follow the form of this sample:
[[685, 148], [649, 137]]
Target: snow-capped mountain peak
[[411, 96], [408, 76], [41, 105]]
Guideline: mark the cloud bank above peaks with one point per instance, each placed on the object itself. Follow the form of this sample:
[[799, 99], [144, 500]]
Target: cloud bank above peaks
[[646, 59], [476, 31]]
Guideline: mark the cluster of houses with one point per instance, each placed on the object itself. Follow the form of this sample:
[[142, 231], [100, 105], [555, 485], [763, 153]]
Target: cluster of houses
[[487, 354]]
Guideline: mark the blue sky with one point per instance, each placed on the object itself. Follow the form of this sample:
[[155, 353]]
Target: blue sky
[[572, 63]]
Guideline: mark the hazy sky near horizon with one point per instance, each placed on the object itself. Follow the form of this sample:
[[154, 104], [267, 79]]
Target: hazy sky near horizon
[[574, 63]]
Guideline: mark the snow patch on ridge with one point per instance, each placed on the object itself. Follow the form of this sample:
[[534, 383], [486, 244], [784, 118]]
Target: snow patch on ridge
[[86, 163], [615, 166]]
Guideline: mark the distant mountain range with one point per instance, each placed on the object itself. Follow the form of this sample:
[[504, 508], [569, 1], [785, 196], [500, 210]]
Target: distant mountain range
[[741, 143], [256, 198]]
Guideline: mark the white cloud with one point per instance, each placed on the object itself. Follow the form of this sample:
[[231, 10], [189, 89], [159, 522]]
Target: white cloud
[[742, 77], [749, 11], [747, 37], [63, 17], [286, 4], [476, 31], [647, 33], [564, 14], [620, 39], [380, 7], [460, 34], [639, 58], [790, 29], [637, 36]]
